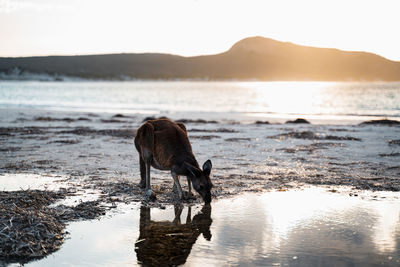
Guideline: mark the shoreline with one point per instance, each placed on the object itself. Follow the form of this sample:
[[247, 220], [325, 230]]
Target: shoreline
[[222, 117]]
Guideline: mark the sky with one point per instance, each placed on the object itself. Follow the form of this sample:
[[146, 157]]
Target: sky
[[194, 27]]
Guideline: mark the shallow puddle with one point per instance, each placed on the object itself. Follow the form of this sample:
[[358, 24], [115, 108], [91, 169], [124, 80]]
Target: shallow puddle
[[20, 181], [308, 227]]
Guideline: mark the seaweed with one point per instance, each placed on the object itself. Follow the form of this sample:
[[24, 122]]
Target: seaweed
[[31, 229]]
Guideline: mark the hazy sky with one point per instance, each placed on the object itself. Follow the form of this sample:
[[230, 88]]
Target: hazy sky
[[189, 27]]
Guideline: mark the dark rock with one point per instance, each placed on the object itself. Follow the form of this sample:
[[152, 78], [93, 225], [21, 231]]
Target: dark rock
[[299, 120], [381, 122], [68, 119], [83, 119], [44, 119], [119, 116], [394, 142], [199, 121], [153, 118], [112, 121], [261, 122]]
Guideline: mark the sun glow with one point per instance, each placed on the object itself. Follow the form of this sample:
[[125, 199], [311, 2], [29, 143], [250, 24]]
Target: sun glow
[[193, 27], [291, 97]]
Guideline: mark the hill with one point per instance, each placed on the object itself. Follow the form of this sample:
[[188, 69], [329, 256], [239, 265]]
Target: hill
[[251, 58]]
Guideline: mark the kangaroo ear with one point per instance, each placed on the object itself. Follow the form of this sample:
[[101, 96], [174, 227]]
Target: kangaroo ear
[[193, 170], [207, 167]]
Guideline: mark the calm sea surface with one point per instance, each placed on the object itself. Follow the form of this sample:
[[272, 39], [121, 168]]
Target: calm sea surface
[[269, 99]]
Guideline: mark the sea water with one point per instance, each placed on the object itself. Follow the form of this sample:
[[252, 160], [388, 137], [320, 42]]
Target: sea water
[[346, 101]]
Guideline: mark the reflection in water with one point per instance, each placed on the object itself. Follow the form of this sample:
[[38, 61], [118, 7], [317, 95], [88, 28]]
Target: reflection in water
[[309, 227], [169, 243]]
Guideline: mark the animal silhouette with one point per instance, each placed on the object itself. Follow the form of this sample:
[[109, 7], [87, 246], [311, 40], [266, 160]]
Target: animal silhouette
[[164, 145], [166, 243]]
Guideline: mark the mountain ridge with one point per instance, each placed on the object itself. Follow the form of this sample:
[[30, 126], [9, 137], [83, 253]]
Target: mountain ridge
[[252, 58]]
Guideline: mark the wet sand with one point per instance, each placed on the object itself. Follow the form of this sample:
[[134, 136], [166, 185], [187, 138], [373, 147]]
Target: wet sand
[[95, 153], [98, 150]]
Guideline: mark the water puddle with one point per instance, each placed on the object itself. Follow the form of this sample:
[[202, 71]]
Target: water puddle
[[15, 182], [308, 227]]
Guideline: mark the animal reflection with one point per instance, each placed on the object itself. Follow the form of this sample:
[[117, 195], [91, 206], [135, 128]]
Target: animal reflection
[[166, 243]]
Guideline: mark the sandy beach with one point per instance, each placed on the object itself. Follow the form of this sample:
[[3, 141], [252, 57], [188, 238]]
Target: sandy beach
[[97, 149], [87, 163]]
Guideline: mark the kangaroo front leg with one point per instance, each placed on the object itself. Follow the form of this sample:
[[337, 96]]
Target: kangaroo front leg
[[143, 174], [189, 186], [190, 195], [177, 184]]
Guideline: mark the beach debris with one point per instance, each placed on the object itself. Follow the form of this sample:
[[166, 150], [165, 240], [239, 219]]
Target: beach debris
[[237, 139], [311, 147], [198, 121], [66, 141], [112, 121], [27, 228], [31, 229], [53, 119], [308, 135], [32, 130], [393, 154], [218, 130], [86, 131], [9, 149], [394, 142], [204, 137]]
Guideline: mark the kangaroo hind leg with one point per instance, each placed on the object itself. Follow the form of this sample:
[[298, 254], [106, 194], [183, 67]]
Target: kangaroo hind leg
[[145, 140]]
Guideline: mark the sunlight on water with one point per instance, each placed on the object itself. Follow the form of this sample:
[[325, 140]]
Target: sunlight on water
[[328, 98], [279, 99], [295, 227], [290, 97]]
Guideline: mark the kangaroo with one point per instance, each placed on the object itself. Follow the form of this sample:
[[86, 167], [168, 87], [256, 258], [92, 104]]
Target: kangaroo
[[164, 145]]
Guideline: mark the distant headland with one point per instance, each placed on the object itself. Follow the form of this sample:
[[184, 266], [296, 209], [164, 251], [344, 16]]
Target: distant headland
[[254, 58]]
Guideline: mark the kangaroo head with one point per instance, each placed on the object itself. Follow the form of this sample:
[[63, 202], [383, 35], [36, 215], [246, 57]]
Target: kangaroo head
[[201, 180]]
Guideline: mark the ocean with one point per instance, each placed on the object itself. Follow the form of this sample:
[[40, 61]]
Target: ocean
[[323, 101]]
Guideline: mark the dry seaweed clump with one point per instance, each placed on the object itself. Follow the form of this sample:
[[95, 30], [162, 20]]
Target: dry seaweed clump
[[31, 229], [28, 229]]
